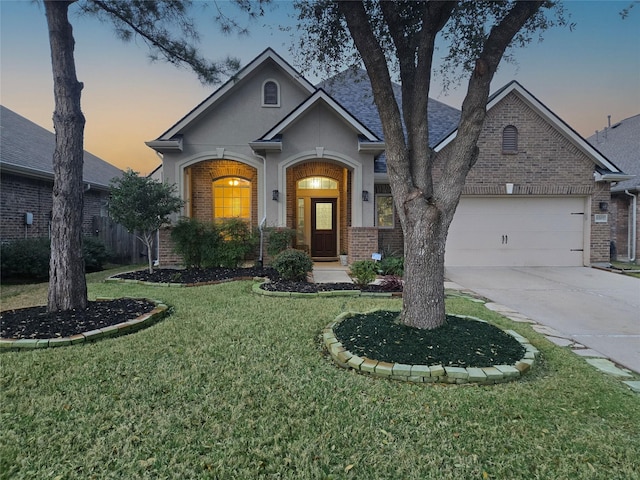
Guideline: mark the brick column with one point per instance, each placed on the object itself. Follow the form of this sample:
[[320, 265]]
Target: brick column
[[363, 241]]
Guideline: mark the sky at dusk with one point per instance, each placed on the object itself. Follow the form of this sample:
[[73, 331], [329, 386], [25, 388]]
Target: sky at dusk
[[582, 75]]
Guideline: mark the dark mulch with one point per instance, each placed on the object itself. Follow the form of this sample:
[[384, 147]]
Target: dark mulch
[[458, 343], [35, 322], [198, 275], [209, 275], [305, 287]]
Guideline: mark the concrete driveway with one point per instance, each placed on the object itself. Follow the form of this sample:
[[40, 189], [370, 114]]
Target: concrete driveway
[[598, 309]]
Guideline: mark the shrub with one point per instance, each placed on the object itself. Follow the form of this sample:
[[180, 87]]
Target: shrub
[[28, 259], [25, 259], [363, 271], [196, 241], [280, 239], [95, 254], [238, 241], [293, 265], [392, 266], [392, 283]]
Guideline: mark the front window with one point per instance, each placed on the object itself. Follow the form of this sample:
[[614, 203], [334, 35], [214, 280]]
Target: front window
[[384, 211], [231, 198]]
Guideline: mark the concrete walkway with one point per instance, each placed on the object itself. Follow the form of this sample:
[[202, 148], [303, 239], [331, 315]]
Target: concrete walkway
[[594, 312], [330, 272]]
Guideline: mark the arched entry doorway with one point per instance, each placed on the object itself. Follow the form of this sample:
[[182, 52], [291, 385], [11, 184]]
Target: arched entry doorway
[[317, 215], [318, 198]]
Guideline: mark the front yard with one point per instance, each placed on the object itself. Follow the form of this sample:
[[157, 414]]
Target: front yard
[[235, 385]]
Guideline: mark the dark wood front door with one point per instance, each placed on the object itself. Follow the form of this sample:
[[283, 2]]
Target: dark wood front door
[[323, 227]]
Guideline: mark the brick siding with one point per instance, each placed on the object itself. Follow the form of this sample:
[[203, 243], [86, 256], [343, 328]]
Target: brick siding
[[19, 195], [363, 241]]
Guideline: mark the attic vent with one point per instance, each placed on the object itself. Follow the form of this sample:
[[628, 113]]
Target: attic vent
[[616, 125], [510, 139]]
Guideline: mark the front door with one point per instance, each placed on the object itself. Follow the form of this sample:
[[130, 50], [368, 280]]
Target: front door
[[323, 227]]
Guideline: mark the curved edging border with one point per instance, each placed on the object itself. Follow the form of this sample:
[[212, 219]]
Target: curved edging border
[[429, 373], [118, 329], [175, 285], [328, 293]]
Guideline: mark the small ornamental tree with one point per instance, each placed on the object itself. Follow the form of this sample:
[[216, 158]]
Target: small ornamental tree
[[142, 205]]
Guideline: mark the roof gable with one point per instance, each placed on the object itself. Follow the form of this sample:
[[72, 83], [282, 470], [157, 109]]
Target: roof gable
[[320, 96], [265, 56], [569, 133], [27, 149]]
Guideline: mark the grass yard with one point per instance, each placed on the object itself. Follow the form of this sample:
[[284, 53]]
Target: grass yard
[[234, 385]]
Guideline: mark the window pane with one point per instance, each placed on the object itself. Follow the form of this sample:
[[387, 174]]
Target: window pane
[[317, 183], [384, 210], [232, 198], [270, 93], [324, 216]]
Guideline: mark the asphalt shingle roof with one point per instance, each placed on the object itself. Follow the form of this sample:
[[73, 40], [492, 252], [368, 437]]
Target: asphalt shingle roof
[[27, 146], [352, 90], [621, 144]]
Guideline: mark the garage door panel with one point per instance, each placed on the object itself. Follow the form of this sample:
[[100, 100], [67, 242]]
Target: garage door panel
[[514, 231]]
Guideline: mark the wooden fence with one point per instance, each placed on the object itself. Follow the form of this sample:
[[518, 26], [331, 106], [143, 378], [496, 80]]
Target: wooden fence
[[124, 247]]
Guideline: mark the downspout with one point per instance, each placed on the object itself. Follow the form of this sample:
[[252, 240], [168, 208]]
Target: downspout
[[156, 262], [263, 222], [633, 227]]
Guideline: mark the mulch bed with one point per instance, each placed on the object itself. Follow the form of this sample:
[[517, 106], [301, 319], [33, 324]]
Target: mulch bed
[[458, 343], [36, 323], [198, 275]]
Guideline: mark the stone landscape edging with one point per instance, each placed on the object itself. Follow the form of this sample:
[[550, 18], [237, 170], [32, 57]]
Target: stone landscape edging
[[429, 373], [175, 285], [130, 326]]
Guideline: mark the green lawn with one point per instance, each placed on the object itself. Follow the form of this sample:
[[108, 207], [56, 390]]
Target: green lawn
[[234, 385]]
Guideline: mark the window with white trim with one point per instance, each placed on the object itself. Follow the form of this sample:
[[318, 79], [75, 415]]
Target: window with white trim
[[384, 211], [270, 94], [510, 139]]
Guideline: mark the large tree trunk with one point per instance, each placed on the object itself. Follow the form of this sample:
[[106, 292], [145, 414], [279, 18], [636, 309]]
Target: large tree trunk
[[67, 283], [423, 297]]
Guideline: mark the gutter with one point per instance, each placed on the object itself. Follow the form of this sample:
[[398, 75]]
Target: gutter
[[633, 227]]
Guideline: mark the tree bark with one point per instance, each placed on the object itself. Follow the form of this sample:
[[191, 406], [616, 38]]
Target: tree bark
[[426, 210], [67, 283]]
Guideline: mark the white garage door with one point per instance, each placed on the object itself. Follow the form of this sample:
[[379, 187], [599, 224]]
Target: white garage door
[[517, 231]]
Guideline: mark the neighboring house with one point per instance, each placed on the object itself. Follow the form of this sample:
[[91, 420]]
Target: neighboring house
[[620, 142], [273, 149], [26, 179]]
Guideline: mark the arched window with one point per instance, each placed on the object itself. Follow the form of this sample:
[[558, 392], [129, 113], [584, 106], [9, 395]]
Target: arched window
[[270, 94], [510, 139], [317, 183], [231, 198]]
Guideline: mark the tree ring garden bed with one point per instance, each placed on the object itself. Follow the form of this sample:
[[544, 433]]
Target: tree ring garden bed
[[31, 328], [464, 350]]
